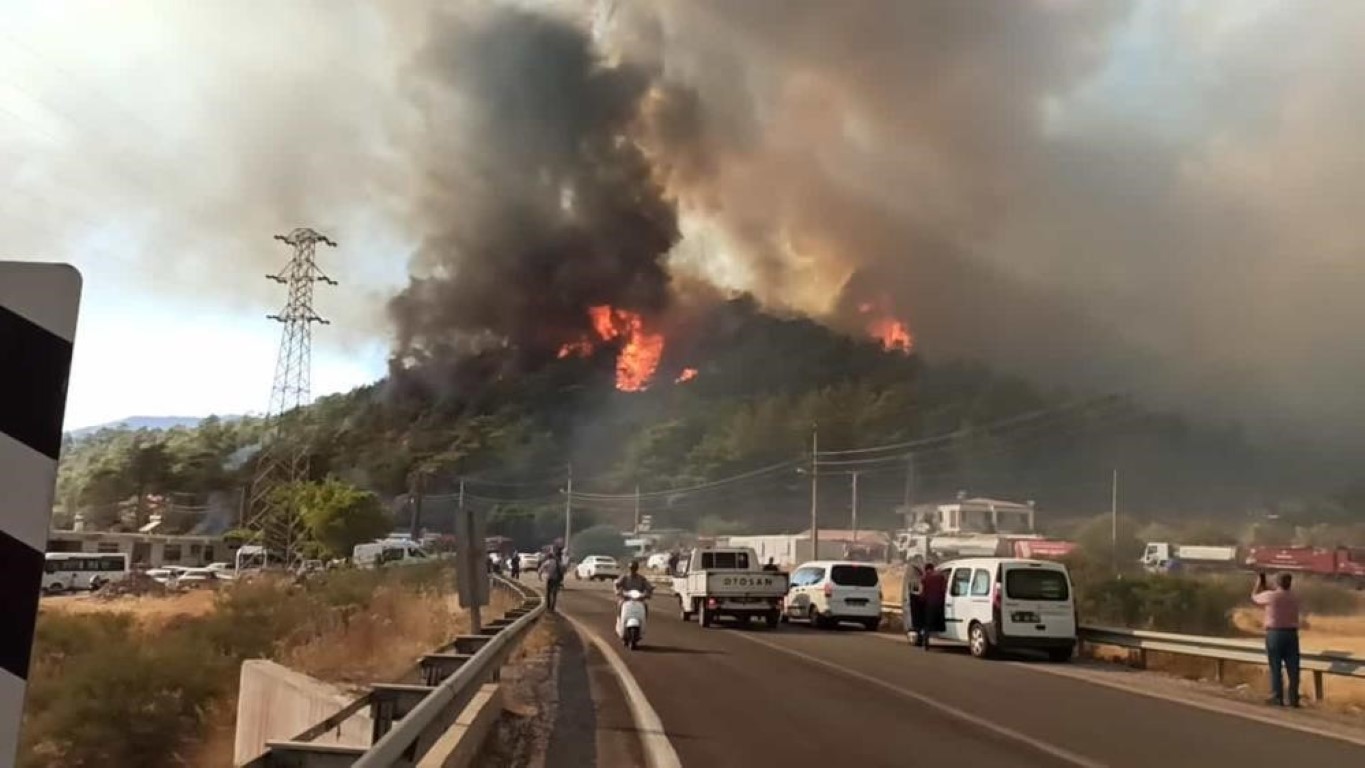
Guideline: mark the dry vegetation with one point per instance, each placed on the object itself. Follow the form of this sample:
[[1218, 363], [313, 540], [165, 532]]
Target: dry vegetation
[[152, 682]]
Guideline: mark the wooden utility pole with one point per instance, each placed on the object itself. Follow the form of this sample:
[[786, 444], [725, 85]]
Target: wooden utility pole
[[814, 493], [568, 510]]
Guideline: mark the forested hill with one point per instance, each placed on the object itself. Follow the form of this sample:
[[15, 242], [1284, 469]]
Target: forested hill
[[762, 383]]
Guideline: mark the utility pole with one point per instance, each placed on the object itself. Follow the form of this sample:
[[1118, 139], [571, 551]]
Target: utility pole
[[1114, 521], [855, 474], [467, 551], [637, 509], [568, 510], [284, 453], [814, 493], [416, 501]]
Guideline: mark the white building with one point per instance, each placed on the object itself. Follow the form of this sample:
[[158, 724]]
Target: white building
[[147, 549], [974, 515]]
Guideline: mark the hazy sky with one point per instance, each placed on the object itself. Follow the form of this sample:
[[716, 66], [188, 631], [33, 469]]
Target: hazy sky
[[1159, 194]]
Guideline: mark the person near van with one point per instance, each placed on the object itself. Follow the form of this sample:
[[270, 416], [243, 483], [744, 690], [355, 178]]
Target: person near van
[[514, 565], [1281, 635], [912, 609], [552, 573], [673, 563], [934, 588]]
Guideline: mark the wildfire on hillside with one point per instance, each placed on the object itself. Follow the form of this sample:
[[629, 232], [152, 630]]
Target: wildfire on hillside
[[886, 328], [640, 352]]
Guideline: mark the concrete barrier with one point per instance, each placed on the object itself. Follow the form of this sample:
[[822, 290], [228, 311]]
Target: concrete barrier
[[460, 745], [275, 702]]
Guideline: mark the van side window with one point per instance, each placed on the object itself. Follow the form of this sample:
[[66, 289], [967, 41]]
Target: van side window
[[961, 578], [981, 582]]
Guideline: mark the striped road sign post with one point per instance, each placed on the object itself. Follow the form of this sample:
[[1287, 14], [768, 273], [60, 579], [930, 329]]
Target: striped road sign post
[[38, 304]]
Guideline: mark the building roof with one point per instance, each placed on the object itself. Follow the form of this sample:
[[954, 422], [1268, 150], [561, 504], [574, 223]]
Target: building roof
[[836, 534]]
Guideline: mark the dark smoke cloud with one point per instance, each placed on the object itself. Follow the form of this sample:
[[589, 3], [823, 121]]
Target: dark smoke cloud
[[1133, 194], [537, 201]]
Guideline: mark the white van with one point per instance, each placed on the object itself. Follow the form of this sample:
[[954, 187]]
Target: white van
[[827, 592], [377, 554], [1009, 604]]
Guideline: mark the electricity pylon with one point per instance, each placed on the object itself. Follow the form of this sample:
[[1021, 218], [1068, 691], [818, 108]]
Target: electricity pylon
[[284, 448]]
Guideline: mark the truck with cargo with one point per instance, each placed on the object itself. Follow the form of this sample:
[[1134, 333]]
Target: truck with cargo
[[1341, 563], [920, 548], [1164, 557], [729, 581]]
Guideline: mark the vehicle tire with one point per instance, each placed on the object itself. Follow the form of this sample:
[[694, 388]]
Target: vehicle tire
[[55, 588], [705, 616], [872, 625], [683, 613], [632, 637], [978, 642], [96, 583], [1060, 655], [813, 616], [774, 619]]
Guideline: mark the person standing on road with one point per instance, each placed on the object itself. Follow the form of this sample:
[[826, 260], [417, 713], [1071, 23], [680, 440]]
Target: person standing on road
[[552, 573], [934, 587], [514, 566], [912, 606], [1281, 635], [673, 563]]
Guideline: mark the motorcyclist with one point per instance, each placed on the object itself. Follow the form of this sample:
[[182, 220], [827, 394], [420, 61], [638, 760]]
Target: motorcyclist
[[632, 580]]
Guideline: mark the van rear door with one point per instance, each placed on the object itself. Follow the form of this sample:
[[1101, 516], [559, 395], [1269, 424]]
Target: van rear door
[[1036, 601], [854, 590]]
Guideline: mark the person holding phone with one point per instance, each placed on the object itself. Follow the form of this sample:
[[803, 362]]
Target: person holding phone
[[1281, 635]]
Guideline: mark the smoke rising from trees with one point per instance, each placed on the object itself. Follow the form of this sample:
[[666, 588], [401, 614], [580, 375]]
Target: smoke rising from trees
[[1150, 196]]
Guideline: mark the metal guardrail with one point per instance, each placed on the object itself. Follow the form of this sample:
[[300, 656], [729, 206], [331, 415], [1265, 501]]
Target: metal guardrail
[[1220, 649], [409, 719]]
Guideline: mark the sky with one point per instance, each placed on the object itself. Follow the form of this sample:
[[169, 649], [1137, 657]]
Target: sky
[[99, 106], [1148, 195]]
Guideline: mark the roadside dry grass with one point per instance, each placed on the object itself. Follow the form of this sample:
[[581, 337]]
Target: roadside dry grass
[[152, 682]]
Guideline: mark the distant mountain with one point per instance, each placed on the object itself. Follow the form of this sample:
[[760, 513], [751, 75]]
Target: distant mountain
[[156, 423]]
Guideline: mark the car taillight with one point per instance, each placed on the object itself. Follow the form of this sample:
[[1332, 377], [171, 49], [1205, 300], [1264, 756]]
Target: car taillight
[[829, 589], [710, 602]]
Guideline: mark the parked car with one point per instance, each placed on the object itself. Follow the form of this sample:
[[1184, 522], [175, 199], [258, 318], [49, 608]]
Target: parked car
[[658, 561], [595, 567], [1000, 604], [528, 561], [828, 592]]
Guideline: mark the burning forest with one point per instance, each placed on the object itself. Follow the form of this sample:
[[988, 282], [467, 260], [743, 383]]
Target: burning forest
[[551, 238]]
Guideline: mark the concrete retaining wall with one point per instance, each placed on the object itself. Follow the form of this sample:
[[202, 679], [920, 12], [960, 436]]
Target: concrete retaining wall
[[276, 702]]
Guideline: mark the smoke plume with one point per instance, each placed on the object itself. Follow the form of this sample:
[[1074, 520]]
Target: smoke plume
[[1129, 193], [537, 202], [1137, 194]]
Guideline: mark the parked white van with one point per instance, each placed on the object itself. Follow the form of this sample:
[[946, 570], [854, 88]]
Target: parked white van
[[827, 592], [1009, 604]]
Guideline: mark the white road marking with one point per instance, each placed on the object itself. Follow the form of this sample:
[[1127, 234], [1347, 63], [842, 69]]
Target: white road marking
[[659, 752], [967, 717], [1219, 707]]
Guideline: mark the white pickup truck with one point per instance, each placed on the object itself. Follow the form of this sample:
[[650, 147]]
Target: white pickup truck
[[727, 581]]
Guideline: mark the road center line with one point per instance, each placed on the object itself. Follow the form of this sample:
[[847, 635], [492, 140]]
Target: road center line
[[967, 717], [659, 752]]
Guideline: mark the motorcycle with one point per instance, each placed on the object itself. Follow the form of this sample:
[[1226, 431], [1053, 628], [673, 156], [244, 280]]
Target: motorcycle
[[630, 621]]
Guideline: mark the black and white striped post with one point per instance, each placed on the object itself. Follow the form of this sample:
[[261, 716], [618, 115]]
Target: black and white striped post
[[38, 307]]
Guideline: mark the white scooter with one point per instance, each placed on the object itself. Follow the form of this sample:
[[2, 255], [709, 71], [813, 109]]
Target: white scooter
[[630, 622]]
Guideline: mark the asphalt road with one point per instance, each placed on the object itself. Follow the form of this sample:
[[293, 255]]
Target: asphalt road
[[800, 697]]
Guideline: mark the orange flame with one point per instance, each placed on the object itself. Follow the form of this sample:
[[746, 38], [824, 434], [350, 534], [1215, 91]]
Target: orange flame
[[687, 374], [892, 333], [639, 357]]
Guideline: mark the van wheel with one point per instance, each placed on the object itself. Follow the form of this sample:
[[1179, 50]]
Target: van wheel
[[978, 642], [55, 588], [813, 615], [872, 625]]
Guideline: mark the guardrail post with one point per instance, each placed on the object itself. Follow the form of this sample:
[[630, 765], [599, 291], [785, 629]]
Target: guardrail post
[[1218, 670], [1142, 658], [1317, 685]]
